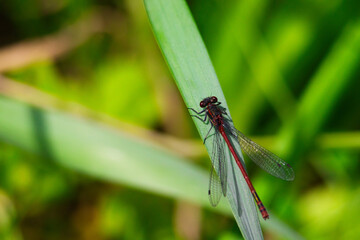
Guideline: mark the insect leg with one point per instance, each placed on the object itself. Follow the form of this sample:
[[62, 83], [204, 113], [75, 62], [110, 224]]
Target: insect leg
[[203, 120], [207, 135], [197, 111]]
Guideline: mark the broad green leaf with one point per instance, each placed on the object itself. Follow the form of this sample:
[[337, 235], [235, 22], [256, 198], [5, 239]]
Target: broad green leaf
[[103, 152], [189, 62]]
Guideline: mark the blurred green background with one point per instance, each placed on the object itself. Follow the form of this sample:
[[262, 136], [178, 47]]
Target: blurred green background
[[289, 71]]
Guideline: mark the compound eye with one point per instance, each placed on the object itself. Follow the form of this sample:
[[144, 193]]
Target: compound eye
[[202, 104], [213, 99]]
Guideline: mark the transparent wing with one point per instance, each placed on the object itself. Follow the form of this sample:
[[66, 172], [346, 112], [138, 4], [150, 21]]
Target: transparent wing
[[264, 158], [215, 190], [219, 161], [218, 180]]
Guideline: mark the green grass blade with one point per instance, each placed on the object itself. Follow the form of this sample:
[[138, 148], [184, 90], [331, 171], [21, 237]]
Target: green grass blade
[[189, 62], [327, 85], [318, 100], [86, 146]]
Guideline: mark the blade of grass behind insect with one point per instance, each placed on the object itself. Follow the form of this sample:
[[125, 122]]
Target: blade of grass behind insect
[[103, 152], [189, 62], [330, 81], [334, 74], [251, 100], [240, 35], [256, 52]]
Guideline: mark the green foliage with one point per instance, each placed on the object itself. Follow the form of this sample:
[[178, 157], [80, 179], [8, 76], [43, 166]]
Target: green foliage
[[288, 70], [195, 77]]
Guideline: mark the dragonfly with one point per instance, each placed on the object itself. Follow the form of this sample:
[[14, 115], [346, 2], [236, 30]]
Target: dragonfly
[[224, 135]]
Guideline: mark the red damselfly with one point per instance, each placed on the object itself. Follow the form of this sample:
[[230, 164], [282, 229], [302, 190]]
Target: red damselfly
[[226, 133]]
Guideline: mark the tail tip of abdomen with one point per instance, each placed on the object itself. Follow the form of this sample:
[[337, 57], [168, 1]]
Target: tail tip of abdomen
[[265, 215]]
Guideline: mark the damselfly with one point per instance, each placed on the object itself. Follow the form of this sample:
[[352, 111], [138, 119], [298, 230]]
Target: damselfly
[[225, 133]]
